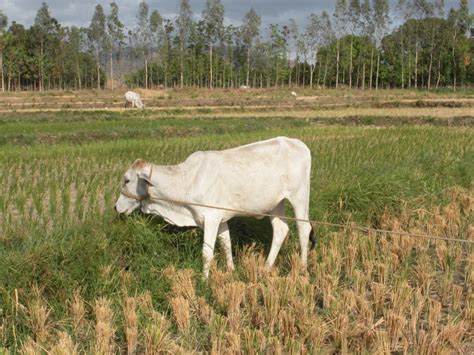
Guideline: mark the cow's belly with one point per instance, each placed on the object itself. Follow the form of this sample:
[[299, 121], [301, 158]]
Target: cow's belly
[[174, 214], [254, 198]]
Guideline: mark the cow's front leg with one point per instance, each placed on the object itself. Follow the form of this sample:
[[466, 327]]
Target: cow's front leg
[[211, 228], [224, 238]]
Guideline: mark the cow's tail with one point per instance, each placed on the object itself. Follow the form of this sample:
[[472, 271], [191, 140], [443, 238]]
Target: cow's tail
[[312, 238]]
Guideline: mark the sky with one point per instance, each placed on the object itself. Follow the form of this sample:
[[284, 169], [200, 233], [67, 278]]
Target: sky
[[79, 12]]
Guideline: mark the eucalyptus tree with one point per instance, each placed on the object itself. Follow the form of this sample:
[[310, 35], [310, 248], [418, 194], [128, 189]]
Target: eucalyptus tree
[[302, 58], [183, 24], [250, 30], [327, 39], [404, 14], [368, 30], [43, 25], [382, 22], [314, 35], [418, 10], [142, 36], [340, 22], [197, 45], [75, 44], [213, 16], [157, 33], [168, 30], [18, 55], [58, 55], [438, 12], [459, 21], [277, 48], [229, 36], [3, 26], [292, 37], [98, 36], [115, 36], [354, 15]]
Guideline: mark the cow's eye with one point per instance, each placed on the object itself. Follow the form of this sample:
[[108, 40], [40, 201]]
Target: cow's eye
[[126, 181]]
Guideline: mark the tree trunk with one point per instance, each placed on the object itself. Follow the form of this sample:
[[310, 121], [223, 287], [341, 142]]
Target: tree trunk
[[311, 68], [297, 71], [337, 63], [430, 67], [371, 68], [409, 69], [276, 73], [304, 71], [223, 73], [146, 73], [454, 62], [41, 66], [78, 71], [326, 70], [210, 66], [416, 67], [377, 75], [112, 70], [248, 66], [350, 64], [363, 75], [181, 66], [439, 72], [289, 70], [1, 68], [319, 73], [98, 69], [402, 57], [358, 71]]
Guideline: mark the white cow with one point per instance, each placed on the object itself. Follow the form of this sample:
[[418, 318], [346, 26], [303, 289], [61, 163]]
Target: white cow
[[133, 98], [257, 178]]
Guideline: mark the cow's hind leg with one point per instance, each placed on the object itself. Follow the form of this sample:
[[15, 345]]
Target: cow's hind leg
[[224, 239], [280, 231], [211, 228], [301, 207]]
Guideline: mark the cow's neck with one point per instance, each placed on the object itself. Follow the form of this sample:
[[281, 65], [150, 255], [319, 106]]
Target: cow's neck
[[167, 182]]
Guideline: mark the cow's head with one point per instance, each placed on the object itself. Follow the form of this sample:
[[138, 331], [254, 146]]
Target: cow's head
[[135, 185]]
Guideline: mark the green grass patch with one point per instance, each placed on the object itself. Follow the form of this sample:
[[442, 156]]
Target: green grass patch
[[58, 230]]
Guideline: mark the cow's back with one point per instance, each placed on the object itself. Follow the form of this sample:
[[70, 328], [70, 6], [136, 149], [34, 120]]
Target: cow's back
[[251, 176], [131, 96], [282, 154]]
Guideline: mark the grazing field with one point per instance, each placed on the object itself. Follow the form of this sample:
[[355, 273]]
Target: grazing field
[[74, 277]]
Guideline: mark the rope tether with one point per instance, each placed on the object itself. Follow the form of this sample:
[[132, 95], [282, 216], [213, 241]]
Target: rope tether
[[312, 222]]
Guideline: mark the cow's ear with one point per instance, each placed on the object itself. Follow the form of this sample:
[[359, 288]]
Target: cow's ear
[[138, 164], [146, 177]]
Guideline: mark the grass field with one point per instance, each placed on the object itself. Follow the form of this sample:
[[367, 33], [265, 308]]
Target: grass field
[[75, 278]]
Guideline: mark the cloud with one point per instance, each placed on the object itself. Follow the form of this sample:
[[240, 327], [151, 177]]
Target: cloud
[[79, 12]]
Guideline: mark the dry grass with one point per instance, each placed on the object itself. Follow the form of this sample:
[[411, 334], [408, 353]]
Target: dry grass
[[361, 294], [263, 103]]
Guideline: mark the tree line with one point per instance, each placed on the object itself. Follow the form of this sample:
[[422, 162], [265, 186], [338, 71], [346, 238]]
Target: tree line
[[362, 44]]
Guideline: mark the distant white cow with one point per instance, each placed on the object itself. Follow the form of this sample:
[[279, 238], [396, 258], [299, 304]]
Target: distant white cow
[[133, 98], [294, 94], [244, 87], [255, 178]]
